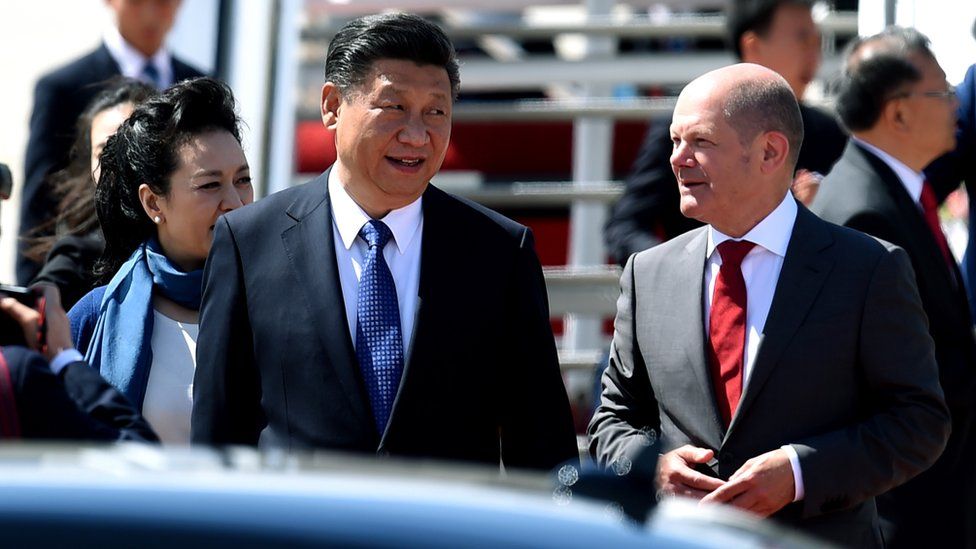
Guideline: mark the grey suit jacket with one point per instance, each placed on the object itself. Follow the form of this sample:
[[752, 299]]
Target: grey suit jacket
[[845, 373]]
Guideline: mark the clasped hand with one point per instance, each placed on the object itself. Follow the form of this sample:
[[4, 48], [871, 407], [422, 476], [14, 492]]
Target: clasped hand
[[763, 485]]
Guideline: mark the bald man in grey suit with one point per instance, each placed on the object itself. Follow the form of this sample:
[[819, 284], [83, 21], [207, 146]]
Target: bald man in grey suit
[[783, 361]]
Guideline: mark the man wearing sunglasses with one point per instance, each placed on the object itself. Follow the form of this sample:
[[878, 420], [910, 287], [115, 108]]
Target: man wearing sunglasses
[[902, 115]]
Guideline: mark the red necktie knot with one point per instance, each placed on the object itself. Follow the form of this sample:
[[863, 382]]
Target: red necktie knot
[[734, 251]]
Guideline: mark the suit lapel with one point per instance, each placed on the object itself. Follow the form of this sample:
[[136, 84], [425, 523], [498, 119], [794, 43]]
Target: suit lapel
[[310, 247], [918, 231], [433, 277], [687, 294], [805, 268]]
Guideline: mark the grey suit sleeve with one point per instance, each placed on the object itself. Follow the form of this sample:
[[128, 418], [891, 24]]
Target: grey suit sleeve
[[906, 422], [226, 386], [628, 409]]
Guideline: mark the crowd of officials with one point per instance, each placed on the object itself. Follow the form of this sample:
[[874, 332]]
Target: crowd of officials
[[793, 332]]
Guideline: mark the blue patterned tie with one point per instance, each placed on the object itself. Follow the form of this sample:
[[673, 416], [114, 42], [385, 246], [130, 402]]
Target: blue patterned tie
[[150, 74], [379, 345]]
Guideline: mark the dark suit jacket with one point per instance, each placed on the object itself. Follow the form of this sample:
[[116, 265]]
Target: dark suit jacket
[[59, 99], [648, 213], [75, 404], [863, 193], [845, 373], [275, 360], [70, 265]]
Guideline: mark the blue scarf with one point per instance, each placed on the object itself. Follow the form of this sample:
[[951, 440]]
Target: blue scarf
[[121, 345]]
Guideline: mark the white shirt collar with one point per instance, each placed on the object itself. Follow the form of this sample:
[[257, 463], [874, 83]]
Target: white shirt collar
[[350, 218], [772, 233], [131, 61], [910, 179]]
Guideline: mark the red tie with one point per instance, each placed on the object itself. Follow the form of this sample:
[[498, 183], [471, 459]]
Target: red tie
[[930, 209], [727, 327]]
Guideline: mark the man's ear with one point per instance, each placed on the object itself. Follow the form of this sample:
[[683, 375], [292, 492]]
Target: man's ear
[[896, 115], [749, 45], [775, 151], [150, 203], [331, 99]]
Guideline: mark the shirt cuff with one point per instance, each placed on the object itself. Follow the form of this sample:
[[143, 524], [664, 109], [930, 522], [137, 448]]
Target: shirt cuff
[[64, 358], [797, 473]]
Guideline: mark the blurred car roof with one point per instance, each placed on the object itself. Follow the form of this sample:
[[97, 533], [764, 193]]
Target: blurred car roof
[[143, 496]]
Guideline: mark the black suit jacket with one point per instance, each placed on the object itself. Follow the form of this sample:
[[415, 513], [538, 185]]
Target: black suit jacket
[[845, 373], [59, 99], [70, 265], [276, 364], [648, 212], [863, 193], [75, 404]]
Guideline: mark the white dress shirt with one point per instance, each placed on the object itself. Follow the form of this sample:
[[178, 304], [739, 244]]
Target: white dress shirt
[[760, 269], [402, 254], [910, 179], [132, 62]]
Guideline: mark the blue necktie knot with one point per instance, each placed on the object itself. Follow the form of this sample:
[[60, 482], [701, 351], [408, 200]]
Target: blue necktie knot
[[150, 74], [375, 233]]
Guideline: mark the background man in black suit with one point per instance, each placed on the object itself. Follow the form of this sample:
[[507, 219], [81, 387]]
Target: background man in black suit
[[134, 48], [783, 360], [296, 348], [58, 396], [778, 34], [901, 112]]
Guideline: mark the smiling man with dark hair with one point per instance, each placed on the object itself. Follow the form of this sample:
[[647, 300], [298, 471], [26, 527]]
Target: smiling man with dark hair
[[369, 311]]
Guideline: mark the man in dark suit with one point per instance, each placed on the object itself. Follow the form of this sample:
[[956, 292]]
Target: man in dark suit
[[369, 311], [58, 396], [895, 100], [783, 361], [778, 34], [133, 48]]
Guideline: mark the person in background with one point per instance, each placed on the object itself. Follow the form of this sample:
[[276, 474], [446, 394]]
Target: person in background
[[134, 47], [901, 112], [56, 396], [367, 310], [777, 34], [172, 169], [958, 166], [784, 362], [69, 255]]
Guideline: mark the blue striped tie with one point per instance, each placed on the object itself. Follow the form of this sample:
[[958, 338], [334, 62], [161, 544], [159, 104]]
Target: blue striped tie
[[379, 345], [150, 74]]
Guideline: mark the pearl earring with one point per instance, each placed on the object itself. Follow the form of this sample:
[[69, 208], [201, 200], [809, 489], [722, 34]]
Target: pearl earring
[[157, 220]]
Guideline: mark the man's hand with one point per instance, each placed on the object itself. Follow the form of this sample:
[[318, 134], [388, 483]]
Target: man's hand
[[677, 477], [805, 186], [763, 485], [58, 335]]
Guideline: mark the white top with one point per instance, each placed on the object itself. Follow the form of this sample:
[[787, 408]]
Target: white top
[[131, 61], [760, 269], [910, 179], [402, 254], [169, 392]]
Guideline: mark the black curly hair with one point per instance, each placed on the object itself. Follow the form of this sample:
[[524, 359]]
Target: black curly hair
[[145, 151]]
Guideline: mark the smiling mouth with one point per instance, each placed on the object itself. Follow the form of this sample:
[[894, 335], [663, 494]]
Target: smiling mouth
[[406, 162]]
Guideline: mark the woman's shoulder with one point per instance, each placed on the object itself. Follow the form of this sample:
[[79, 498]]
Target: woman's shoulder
[[88, 305], [83, 317]]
